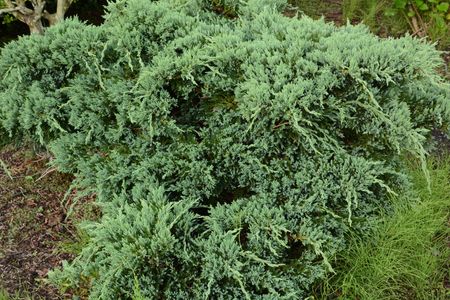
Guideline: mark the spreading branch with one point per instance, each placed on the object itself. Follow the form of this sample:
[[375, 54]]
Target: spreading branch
[[8, 10]]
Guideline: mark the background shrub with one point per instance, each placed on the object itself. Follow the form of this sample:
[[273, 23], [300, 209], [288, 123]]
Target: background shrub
[[230, 153]]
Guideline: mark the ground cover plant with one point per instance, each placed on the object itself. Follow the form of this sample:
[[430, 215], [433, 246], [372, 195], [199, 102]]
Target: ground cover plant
[[231, 149]]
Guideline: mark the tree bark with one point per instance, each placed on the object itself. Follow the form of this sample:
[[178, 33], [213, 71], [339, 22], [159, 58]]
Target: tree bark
[[61, 9], [36, 27], [33, 17]]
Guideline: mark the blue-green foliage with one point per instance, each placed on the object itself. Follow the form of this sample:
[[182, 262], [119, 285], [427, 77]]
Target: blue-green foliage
[[230, 148]]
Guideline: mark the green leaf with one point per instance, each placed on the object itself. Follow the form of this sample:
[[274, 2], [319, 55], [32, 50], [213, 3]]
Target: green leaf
[[423, 7], [401, 4], [443, 7]]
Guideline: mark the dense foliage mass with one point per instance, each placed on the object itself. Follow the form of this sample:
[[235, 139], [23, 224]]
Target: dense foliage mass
[[230, 148]]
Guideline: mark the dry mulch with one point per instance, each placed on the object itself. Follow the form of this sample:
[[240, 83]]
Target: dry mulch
[[32, 222]]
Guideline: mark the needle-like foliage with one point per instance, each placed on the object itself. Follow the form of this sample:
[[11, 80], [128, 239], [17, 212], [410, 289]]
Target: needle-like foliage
[[230, 148]]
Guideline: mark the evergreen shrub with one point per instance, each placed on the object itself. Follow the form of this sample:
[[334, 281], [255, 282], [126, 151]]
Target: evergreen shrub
[[230, 148]]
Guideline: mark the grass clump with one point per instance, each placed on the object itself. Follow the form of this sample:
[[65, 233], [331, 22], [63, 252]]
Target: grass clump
[[378, 15], [406, 255]]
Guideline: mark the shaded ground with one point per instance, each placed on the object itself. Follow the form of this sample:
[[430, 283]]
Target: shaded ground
[[442, 143], [32, 222], [331, 10]]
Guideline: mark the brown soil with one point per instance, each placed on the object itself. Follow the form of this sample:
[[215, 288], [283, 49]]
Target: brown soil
[[331, 10], [442, 142], [32, 222], [334, 11]]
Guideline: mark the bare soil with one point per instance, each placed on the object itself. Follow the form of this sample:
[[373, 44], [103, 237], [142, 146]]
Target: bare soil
[[32, 222]]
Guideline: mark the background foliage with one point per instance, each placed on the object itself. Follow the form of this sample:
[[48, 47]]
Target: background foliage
[[423, 18]]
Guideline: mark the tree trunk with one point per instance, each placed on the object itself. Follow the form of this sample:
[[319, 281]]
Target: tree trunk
[[33, 17], [36, 27], [61, 9]]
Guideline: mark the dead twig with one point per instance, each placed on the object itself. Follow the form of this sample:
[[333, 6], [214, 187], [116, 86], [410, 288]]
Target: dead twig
[[48, 171], [279, 125], [418, 25], [42, 157]]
